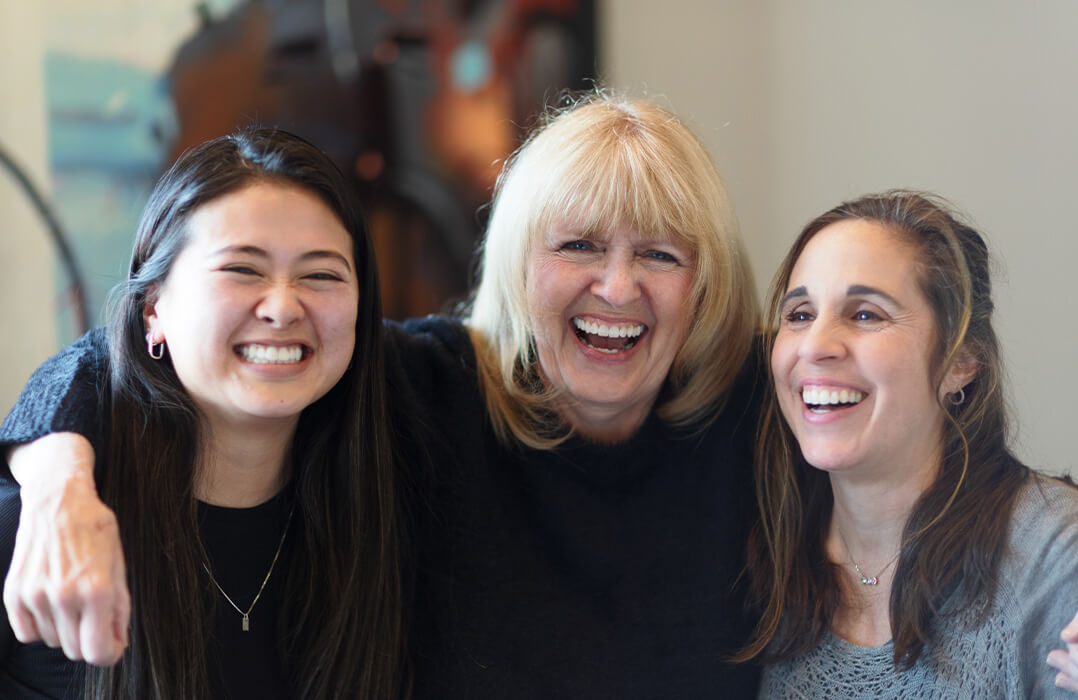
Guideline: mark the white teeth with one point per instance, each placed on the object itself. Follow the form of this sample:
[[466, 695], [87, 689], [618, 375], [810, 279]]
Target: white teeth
[[818, 396], [601, 329], [271, 354]]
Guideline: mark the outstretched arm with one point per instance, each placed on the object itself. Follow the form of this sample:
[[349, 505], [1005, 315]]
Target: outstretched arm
[[1066, 660]]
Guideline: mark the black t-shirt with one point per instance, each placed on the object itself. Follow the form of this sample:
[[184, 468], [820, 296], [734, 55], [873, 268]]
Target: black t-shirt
[[241, 543]]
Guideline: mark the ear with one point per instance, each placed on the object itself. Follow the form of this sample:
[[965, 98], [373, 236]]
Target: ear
[[962, 372]]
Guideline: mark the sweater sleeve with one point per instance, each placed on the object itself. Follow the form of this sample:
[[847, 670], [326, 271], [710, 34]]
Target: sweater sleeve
[[66, 394], [1046, 539]]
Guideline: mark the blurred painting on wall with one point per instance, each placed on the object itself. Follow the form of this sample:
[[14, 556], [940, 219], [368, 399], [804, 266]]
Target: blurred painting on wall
[[418, 101]]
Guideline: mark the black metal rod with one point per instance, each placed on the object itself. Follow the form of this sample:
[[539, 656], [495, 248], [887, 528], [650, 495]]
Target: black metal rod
[[67, 256]]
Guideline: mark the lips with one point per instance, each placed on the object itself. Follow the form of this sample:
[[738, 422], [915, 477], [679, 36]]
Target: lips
[[272, 354], [609, 338]]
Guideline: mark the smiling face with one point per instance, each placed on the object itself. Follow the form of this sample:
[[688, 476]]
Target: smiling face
[[609, 312], [259, 308], [852, 357]]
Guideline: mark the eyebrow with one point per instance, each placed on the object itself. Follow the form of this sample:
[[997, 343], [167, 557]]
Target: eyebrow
[[309, 255], [854, 290]]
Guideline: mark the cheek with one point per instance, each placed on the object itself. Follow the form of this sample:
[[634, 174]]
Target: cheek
[[782, 354]]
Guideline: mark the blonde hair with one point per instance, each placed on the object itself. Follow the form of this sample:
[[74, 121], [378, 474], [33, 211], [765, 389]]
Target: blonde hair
[[604, 162]]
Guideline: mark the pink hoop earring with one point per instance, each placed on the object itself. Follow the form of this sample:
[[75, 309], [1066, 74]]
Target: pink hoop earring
[[151, 346]]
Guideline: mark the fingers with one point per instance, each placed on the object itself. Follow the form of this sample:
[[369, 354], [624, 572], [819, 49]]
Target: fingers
[[1067, 664], [97, 636], [103, 626], [1070, 632], [19, 616]]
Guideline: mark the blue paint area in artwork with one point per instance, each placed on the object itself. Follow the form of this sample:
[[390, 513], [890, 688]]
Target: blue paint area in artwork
[[108, 128], [470, 66]]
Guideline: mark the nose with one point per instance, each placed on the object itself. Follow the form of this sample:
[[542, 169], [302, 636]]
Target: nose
[[616, 281], [280, 306], [822, 341]]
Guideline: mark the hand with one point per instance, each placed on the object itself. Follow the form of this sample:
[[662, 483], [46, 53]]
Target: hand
[[67, 584], [1066, 661]]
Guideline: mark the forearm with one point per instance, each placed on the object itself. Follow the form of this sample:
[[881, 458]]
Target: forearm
[[69, 458]]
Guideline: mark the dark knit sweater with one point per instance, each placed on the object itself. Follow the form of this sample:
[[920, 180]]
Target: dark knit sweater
[[589, 571]]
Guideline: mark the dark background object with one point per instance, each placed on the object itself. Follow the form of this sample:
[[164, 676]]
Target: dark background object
[[420, 101], [76, 293]]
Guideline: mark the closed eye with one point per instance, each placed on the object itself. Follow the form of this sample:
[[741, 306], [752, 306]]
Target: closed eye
[[240, 269], [329, 276]]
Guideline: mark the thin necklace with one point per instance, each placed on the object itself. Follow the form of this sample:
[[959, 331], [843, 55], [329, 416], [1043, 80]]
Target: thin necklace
[[866, 580], [245, 624]]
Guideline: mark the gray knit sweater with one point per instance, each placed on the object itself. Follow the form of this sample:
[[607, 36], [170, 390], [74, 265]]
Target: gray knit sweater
[[1002, 658]]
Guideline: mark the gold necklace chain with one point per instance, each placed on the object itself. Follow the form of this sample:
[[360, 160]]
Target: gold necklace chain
[[866, 580], [245, 623]]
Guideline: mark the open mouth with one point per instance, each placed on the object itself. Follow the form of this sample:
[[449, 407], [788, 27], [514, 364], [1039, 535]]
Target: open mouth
[[272, 354], [822, 400], [609, 338]]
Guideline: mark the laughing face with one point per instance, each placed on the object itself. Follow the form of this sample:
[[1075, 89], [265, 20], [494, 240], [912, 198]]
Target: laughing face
[[259, 309], [610, 312], [852, 356]]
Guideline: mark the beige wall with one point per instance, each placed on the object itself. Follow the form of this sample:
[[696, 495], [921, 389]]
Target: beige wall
[[806, 103], [27, 290]]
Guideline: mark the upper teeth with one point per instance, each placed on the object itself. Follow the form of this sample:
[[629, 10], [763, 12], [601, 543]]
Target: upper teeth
[[627, 330], [271, 354], [819, 396]]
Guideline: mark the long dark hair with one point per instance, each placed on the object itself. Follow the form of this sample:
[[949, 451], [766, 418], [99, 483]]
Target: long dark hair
[[955, 535], [343, 602]]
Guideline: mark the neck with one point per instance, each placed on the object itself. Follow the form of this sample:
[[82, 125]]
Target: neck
[[869, 516], [244, 466], [872, 505], [604, 425]]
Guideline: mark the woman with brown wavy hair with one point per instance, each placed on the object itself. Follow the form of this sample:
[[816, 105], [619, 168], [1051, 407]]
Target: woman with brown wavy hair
[[904, 550]]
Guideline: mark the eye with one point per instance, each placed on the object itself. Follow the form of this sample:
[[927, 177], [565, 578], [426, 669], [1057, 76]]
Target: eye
[[661, 256], [240, 269], [580, 245], [866, 315], [799, 316], [324, 276]]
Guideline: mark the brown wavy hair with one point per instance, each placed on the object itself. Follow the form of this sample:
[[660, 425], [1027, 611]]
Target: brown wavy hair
[[955, 535]]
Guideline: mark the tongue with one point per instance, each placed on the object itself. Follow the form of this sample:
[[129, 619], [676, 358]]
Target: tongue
[[599, 341]]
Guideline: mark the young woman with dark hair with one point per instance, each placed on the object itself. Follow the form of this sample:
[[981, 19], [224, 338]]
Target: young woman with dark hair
[[247, 457]]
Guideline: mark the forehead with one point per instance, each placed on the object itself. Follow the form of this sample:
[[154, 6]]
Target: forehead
[[273, 216], [857, 252]]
